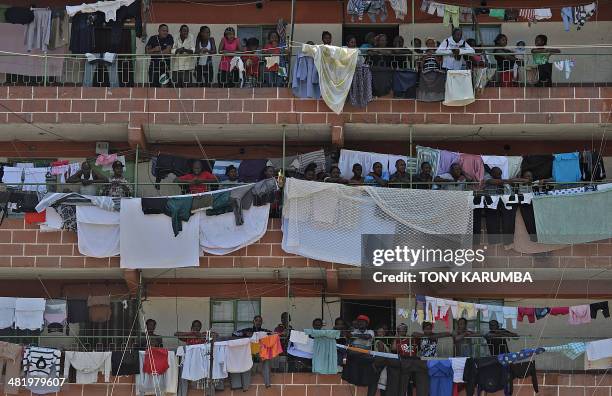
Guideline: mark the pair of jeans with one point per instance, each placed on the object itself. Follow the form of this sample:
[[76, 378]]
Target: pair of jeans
[[113, 73]]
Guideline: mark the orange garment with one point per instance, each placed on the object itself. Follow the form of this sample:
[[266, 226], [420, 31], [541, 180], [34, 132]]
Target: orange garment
[[270, 347]]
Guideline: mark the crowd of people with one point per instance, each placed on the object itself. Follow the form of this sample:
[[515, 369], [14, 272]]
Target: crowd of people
[[247, 62]]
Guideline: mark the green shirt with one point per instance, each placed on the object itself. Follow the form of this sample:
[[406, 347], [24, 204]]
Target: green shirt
[[540, 58]]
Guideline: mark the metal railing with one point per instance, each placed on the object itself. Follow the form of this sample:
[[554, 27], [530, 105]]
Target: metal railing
[[584, 67]]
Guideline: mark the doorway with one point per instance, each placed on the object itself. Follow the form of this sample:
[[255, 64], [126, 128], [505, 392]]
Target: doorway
[[379, 311]]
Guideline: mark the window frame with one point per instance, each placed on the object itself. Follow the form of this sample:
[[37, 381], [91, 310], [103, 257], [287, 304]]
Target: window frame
[[235, 302]]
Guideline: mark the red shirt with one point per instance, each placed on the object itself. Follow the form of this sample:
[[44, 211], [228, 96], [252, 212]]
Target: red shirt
[[269, 49], [198, 188], [407, 347], [252, 70]]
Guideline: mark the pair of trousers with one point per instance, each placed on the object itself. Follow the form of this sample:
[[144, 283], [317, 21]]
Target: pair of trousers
[[113, 73], [265, 367], [545, 74], [182, 78], [156, 69], [529, 220], [204, 75], [240, 380], [500, 221]]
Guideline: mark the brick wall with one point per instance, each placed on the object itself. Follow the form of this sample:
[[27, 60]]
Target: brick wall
[[559, 105], [23, 245], [306, 384]]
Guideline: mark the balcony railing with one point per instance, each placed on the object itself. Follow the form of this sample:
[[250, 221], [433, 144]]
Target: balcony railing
[[575, 67]]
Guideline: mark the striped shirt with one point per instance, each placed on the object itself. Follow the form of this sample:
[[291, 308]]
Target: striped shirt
[[39, 362]]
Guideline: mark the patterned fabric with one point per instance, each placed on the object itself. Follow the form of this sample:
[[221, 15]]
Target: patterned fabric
[[377, 8], [356, 8], [528, 14], [68, 215], [118, 188], [507, 358], [571, 350], [360, 93], [427, 154], [583, 13]]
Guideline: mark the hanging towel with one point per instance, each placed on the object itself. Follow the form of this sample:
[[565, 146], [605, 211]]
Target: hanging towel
[[29, 313], [88, 365], [98, 231], [405, 83], [336, 67], [325, 357], [459, 90], [472, 166], [37, 176], [541, 14], [499, 13], [348, 158], [7, 312], [431, 86], [498, 161], [599, 349], [572, 350], [447, 158], [566, 168]]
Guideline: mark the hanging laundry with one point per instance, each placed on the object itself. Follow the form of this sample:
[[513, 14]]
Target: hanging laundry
[[179, 210], [32, 218], [88, 365], [498, 161], [376, 8], [566, 66], [499, 13], [106, 203], [382, 80], [305, 78], [510, 313], [579, 314], [19, 15], [360, 93], [466, 15], [29, 313], [7, 312], [316, 157], [459, 90], [11, 356], [42, 363], [583, 13], [440, 377], [541, 14], [472, 166], [78, 311], [336, 67], [600, 306], [149, 384], [60, 29], [251, 171], [572, 350], [38, 32], [601, 349], [325, 357], [109, 8], [356, 8], [586, 217], [400, 7], [436, 9], [522, 370], [451, 15], [566, 168], [99, 309], [196, 361], [432, 86], [539, 165], [487, 374], [147, 240], [55, 312], [35, 179], [405, 84], [348, 158], [447, 158], [98, 231], [527, 14], [512, 357], [125, 363], [592, 166], [567, 15], [238, 358]]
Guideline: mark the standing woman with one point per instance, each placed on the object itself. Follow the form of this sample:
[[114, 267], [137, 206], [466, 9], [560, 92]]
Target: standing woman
[[505, 60], [273, 51], [229, 47], [205, 46]]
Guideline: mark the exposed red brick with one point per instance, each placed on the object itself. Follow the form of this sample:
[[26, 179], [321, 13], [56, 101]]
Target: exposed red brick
[[328, 379], [69, 92], [552, 106], [263, 249], [295, 262], [93, 93], [576, 105], [4, 92], [605, 92], [154, 105], [138, 93], [246, 262], [206, 106], [220, 262], [94, 262], [215, 118], [527, 106], [230, 105], [20, 92], [115, 262], [216, 93], [191, 93], [464, 119], [166, 118], [452, 109], [403, 106], [336, 119], [314, 118], [511, 118], [584, 118], [59, 250], [319, 390], [68, 118], [537, 93], [5, 237], [92, 118], [603, 249], [408, 118], [427, 107], [322, 107], [120, 93], [479, 106], [562, 92], [502, 106], [601, 105], [72, 262], [191, 118], [265, 93], [36, 250], [253, 106], [305, 105], [44, 118], [21, 262], [34, 105], [19, 118], [287, 118], [304, 378], [165, 93], [10, 105], [270, 262], [586, 92], [240, 118], [82, 106], [486, 118], [583, 380], [489, 93], [47, 262], [557, 379], [69, 237], [45, 92], [130, 105], [116, 117], [203, 262], [280, 105], [364, 118], [511, 93], [379, 106], [388, 118], [561, 118], [285, 93], [264, 118], [537, 118], [241, 93], [24, 236], [437, 118]]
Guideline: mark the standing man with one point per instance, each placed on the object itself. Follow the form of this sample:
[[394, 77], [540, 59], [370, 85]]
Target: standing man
[[453, 49], [183, 62], [496, 338], [159, 47], [119, 186], [149, 339], [196, 180], [362, 337], [88, 177]]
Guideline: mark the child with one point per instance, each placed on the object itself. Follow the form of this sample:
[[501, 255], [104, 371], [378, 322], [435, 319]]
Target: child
[[540, 57], [271, 76], [251, 63], [229, 46], [429, 61], [478, 65]]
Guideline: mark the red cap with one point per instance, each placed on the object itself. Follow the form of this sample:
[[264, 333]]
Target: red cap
[[363, 317]]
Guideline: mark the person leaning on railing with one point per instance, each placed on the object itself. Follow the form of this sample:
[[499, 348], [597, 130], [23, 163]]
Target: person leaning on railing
[[183, 61], [455, 180], [205, 46], [159, 45], [196, 180], [119, 187], [497, 338], [88, 177]]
